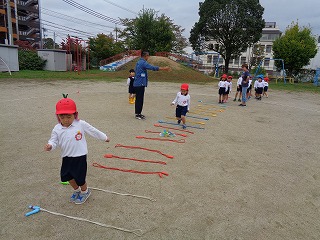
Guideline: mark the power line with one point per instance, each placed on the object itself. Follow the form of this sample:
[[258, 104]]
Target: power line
[[92, 12], [72, 19], [54, 25], [123, 8]]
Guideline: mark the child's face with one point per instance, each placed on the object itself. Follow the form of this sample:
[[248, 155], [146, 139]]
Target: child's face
[[184, 92], [132, 74], [66, 119]]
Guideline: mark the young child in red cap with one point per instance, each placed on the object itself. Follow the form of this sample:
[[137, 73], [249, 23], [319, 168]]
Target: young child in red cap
[[222, 87], [182, 101], [69, 135]]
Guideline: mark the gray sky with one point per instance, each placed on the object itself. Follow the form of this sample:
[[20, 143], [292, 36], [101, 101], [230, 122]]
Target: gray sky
[[182, 12]]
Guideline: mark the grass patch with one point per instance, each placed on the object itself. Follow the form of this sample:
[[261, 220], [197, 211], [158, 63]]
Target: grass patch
[[295, 87]]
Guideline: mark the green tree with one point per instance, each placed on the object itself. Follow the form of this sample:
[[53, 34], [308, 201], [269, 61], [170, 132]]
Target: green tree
[[152, 32], [103, 47], [296, 47], [234, 24], [48, 43]]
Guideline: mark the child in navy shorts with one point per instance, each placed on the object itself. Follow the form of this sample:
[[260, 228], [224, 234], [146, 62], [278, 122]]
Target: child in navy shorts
[[132, 92], [182, 101], [222, 87], [69, 135]]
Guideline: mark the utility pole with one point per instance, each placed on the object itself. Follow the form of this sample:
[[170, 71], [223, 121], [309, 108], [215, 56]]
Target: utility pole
[[10, 32], [54, 40]]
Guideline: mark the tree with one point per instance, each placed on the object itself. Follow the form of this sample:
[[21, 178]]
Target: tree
[[296, 47], [103, 47], [29, 60], [152, 32], [49, 43], [234, 24]]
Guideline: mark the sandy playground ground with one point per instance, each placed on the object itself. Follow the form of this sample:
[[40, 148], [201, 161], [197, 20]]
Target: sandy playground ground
[[252, 173]]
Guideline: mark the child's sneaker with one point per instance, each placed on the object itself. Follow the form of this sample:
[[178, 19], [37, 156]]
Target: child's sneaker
[[179, 121], [74, 196], [138, 117], [184, 126], [234, 99], [239, 100], [82, 197]]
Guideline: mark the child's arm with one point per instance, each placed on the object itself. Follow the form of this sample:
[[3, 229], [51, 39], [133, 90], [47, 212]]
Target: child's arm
[[52, 143], [175, 100], [128, 81], [93, 132]]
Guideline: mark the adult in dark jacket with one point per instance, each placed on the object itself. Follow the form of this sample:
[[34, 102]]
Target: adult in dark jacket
[[141, 81]]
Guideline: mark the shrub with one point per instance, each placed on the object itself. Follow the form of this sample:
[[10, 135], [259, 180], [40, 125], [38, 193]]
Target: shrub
[[29, 60]]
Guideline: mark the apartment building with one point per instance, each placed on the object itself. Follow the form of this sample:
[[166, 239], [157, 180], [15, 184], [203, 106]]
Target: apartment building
[[20, 20], [270, 33]]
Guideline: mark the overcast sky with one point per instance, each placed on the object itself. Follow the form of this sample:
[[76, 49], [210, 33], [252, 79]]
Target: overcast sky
[[182, 12]]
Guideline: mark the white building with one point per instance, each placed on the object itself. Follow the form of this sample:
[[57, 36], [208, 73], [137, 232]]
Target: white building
[[269, 34]]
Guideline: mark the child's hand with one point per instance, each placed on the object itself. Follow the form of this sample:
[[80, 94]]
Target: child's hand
[[107, 140], [47, 147], [172, 104]]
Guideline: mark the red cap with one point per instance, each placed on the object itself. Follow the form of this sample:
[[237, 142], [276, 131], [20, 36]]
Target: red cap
[[266, 79], [184, 86], [230, 77], [66, 106], [224, 76]]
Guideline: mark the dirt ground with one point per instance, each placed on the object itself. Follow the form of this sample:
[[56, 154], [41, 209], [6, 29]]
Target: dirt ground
[[252, 173]]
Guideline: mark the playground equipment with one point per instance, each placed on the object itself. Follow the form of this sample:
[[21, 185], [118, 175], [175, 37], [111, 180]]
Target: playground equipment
[[6, 65], [275, 59], [316, 77]]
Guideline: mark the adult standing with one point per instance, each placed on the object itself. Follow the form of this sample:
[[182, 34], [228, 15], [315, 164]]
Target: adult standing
[[141, 81], [244, 84]]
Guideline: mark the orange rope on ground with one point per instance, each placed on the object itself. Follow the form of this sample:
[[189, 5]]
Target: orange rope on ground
[[182, 130], [129, 170], [146, 149], [133, 159]]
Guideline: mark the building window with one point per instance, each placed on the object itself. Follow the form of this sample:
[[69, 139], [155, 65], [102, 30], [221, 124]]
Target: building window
[[243, 60], [268, 48], [236, 61], [209, 58], [215, 59], [266, 62]]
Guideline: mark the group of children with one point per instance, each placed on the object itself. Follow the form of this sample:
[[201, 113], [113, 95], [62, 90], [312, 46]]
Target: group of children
[[225, 87], [260, 86]]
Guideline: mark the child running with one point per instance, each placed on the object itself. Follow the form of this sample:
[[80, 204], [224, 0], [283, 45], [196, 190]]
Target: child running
[[69, 135], [132, 93], [182, 101]]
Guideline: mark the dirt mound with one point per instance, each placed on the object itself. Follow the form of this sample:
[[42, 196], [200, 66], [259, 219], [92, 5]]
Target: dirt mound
[[164, 61]]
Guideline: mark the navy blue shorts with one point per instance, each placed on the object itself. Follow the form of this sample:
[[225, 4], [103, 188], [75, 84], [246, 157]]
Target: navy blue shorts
[[74, 168], [265, 88], [239, 88], [181, 110], [222, 91], [259, 90]]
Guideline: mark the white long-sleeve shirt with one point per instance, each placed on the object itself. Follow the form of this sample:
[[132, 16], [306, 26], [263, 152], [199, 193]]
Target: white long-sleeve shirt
[[222, 84], [72, 139], [182, 100], [239, 81]]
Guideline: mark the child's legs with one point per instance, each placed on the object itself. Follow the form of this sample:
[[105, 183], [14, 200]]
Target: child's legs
[[183, 114]]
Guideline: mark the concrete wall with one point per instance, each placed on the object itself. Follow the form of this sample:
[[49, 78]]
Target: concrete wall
[[56, 59], [9, 54]]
